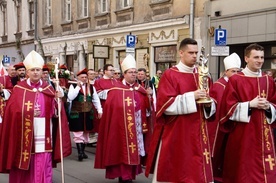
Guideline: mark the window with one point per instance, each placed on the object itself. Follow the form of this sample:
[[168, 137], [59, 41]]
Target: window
[[85, 8], [103, 6], [49, 12], [18, 10], [31, 15], [68, 10], [3, 8], [126, 3]]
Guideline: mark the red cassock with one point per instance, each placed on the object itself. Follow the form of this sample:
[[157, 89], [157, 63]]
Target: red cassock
[[7, 84], [16, 137], [217, 138], [117, 141], [101, 85], [185, 152], [250, 151]]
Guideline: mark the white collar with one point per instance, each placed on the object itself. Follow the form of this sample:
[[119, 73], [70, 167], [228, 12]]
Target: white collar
[[29, 82], [184, 68], [248, 72]]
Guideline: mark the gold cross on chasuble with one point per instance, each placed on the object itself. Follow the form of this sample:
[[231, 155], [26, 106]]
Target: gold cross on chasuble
[[29, 105], [129, 101], [206, 154], [133, 147], [270, 161], [263, 94], [25, 154]]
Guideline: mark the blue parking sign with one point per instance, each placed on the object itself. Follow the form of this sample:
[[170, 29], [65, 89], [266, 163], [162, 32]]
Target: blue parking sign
[[130, 41], [220, 37], [6, 60]]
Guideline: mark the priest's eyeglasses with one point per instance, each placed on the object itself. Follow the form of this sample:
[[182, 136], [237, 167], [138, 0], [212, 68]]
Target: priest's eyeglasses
[[132, 72]]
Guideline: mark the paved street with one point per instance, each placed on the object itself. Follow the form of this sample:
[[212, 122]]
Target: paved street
[[82, 172]]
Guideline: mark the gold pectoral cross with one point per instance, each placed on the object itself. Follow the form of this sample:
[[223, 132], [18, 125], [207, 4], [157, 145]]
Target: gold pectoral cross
[[270, 160], [206, 154], [29, 105]]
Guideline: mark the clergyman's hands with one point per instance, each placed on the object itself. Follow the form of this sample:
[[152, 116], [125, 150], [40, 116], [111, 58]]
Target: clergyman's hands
[[259, 103], [200, 94]]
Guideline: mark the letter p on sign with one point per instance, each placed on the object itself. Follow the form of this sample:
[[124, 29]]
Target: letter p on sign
[[220, 37]]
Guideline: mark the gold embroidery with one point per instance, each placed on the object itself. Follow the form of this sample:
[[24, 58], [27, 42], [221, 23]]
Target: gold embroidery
[[263, 94], [29, 105], [133, 147], [207, 155], [27, 130], [270, 161], [266, 134], [130, 124], [25, 154], [129, 101], [204, 137]]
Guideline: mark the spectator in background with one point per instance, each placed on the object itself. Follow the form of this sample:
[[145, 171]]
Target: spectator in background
[[21, 73], [117, 74], [91, 75], [100, 74], [155, 79]]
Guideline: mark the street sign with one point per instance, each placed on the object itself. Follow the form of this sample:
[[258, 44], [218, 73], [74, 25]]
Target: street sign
[[220, 51], [220, 37], [130, 41], [6, 60]]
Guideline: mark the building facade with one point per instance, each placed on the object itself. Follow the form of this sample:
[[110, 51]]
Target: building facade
[[90, 33], [246, 22], [17, 22]]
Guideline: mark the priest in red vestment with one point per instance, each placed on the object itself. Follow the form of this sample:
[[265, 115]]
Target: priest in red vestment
[[120, 143], [29, 140], [248, 114], [180, 143], [102, 86], [218, 138]]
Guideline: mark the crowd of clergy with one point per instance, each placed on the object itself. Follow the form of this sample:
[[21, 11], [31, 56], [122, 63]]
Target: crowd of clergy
[[179, 125]]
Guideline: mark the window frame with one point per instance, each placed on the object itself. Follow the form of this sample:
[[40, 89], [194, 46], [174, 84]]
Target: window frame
[[103, 4], [85, 8], [49, 12], [68, 9]]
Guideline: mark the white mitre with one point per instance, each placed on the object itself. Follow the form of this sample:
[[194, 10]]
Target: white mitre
[[33, 60], [128, 63], [232, 61]]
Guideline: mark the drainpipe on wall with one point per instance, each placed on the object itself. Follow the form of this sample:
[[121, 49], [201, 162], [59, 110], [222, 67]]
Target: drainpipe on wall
[[192, 9], [35, 24]]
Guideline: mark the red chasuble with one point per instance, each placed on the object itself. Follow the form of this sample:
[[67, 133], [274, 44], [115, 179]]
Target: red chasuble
[[185, 152], [101, 85], [217, 138], [117, 141], [17, 135], [250, 150]]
